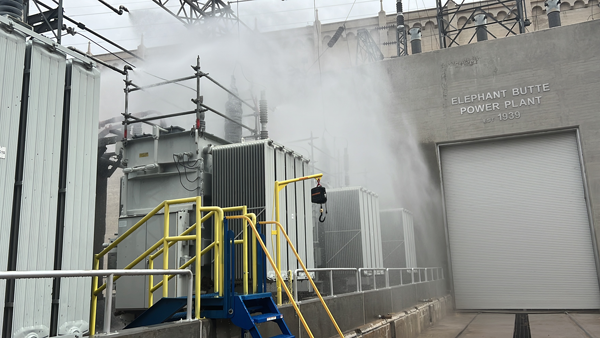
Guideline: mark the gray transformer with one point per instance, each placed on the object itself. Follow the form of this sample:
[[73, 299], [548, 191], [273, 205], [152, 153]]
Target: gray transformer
[[245, 174], [398, 239], [161, 166], [350, 237]]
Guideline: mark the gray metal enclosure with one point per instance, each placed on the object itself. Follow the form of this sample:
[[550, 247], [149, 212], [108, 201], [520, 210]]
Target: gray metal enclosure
[[245, 174], [157, 170], [351, 231], [48, 152], [398, 239]]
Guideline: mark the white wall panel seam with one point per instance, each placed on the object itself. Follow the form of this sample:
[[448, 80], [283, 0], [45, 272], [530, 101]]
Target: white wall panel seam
[[12, 56]]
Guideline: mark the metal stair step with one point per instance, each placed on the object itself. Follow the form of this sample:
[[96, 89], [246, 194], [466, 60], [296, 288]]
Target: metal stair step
[[266, 317], [283, 336]]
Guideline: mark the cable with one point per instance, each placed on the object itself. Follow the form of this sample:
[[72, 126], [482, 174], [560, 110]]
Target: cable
[[113, 54], [180, 181]]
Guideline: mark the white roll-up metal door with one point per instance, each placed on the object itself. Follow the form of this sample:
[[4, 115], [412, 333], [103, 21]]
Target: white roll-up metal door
[[518, 226]]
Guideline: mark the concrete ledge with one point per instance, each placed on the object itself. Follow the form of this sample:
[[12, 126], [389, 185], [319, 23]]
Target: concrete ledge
[[357, 312], [408, 324]]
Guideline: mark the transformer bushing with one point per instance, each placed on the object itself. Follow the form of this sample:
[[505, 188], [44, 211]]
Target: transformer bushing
[[480, 23], [553, 12], [415, 40], [233, 109], [12, 8], [264, 116]]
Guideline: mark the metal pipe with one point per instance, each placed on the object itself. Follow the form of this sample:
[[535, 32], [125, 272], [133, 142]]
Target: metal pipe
[[360, 279], [374, 280], [296, 285], [387, 278], [137, 119], [107, 65], [108, 303], [118, 11], [226, 117], [164, 83], [158, 117], [83, 27], [331, 282], [96, 273], [228, 91]]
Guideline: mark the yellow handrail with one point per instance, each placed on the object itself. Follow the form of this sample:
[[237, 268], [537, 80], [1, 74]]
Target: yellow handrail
[[278, 187], [163, 205], [278, 274], [307, 275]]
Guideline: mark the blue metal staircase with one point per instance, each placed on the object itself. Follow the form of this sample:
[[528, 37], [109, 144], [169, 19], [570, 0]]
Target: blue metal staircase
[[245, 311], [250, 310]]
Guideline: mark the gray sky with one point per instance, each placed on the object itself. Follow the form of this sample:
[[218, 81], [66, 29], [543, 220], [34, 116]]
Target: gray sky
[[148, 19]]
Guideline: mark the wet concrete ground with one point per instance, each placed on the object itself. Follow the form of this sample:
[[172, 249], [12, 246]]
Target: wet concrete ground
[[500, 325]]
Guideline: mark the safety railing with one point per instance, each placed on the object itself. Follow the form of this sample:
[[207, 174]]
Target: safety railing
[[109, 289], [423, 273], [256, 238], [330, 270], [417, 275], [166, 242]]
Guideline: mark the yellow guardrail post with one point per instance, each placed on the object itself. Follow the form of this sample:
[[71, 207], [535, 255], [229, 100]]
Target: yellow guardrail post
[[254, 259], [198, 256], [307, 275], [277, 272], [150, 283], [278, 187], [166, 252], [94, 304], [245, 253]]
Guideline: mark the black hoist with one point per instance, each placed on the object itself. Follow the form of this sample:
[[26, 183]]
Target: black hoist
[[318, 195]]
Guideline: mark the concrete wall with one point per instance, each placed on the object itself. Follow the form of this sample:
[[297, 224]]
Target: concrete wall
[[408, 307], [564, 61]]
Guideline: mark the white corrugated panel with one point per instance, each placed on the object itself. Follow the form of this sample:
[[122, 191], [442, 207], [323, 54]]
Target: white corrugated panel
[[40, 187], [410, 249], [12, 56], [291, 217], [279, 176], [518, 225], [377, 231], [80, 197], [253, 185], [351, 229], [300, 214]]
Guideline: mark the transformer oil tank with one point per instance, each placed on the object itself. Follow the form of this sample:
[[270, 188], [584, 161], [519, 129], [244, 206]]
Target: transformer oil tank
[[350, 237]]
